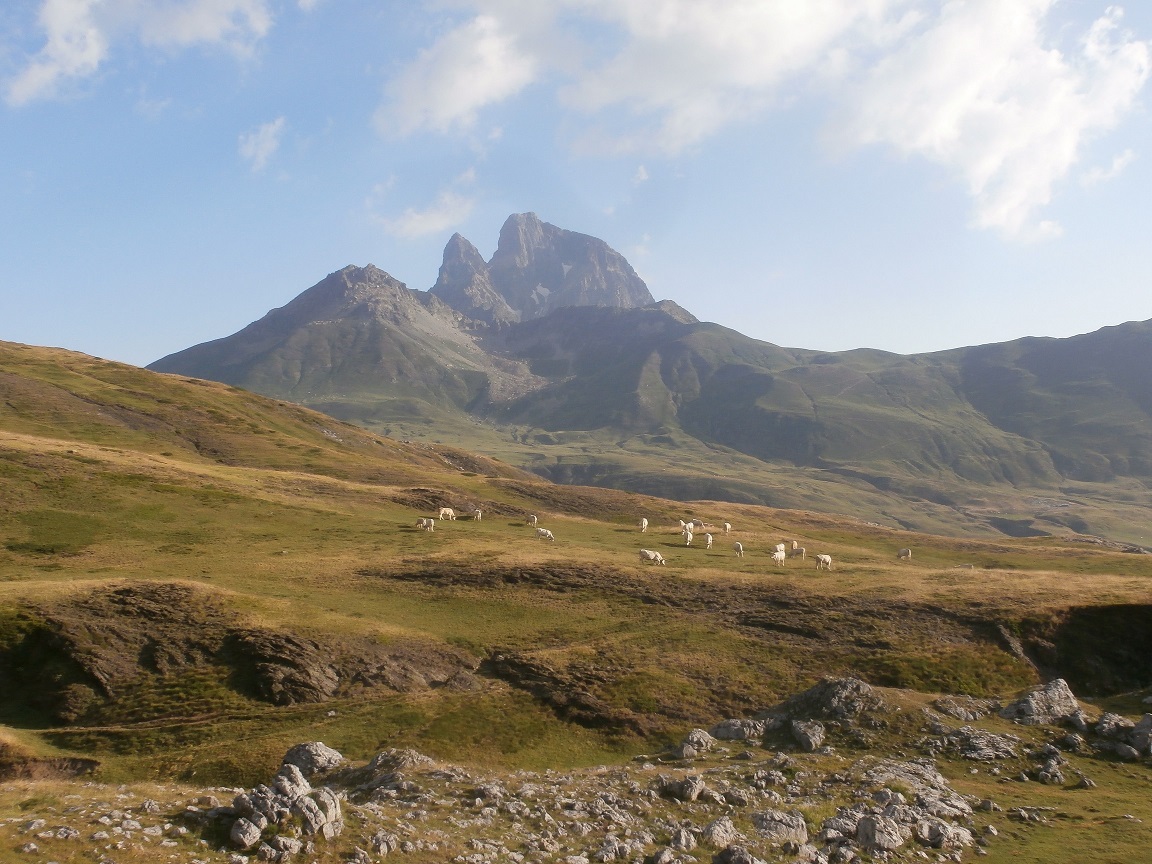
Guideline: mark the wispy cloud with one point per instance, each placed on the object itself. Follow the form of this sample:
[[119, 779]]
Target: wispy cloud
[[1096, 175], [447, 211], [474, 65], [79, 35], [982, 91], [260, 145], [640, 176]]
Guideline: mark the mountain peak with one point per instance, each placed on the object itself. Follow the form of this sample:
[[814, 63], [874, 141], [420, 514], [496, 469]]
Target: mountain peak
[[536, 269], [463, 284]]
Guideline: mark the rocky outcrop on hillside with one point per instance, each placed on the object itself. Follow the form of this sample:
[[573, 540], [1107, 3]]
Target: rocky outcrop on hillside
[[103, 643], [701, 802]]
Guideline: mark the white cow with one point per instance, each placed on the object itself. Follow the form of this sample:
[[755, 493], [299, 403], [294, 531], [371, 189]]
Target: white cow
[[778, 557], [545, 534], [448, 513], [727, 527], [532, 520], [687, 538], [738, 548], [697, 523], [707, 541], [904, 554], [823, 562], [428, 524], [779, 547], [477, 514], [799, 552], [643, 524], [651, 555], [683, 524]]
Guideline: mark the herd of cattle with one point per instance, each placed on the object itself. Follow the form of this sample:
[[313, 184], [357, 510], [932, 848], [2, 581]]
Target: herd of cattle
[[688, 530]]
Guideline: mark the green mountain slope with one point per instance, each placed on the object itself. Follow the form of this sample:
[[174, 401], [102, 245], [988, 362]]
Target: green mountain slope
[[650, 399]]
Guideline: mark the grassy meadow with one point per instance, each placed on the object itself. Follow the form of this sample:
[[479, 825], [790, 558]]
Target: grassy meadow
[[268, 516]]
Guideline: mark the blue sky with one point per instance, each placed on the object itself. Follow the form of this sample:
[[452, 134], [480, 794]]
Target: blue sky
[[909, 175]]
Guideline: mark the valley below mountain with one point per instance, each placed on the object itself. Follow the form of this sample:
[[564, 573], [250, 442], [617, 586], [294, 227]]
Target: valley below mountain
[[553, 356]]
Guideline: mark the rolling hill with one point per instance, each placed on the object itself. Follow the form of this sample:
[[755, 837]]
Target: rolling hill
[[194, 577]]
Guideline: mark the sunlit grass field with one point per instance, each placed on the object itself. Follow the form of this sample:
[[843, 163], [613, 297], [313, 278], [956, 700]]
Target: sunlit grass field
[[290, 521]]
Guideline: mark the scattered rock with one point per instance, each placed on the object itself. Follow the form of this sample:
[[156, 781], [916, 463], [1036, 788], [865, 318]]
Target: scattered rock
[[780, 827], [244, 834], [720, 833], [980, 745], [880, 834], [1050, 704], [735, 855], [688, 789], [809, 734], [966, 708], [831, 699], [313, 758], [699, 740], [738, 730], [1113, 726]]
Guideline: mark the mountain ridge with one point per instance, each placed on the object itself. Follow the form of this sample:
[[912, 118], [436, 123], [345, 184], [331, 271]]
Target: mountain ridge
[[483, 354]]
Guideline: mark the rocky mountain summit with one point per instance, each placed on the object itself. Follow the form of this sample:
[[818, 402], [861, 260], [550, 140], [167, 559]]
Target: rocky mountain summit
[[537, 269], [748, 791]]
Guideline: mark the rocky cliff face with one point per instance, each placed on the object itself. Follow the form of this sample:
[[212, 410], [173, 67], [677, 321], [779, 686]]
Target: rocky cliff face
[[537, 268], [464, 284]]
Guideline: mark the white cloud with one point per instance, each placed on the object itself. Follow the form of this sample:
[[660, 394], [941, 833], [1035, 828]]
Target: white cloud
[[982, 91], [640, 176], [74, 47], [79, 35], [1096, 175], [686, 69], [447, 211], [474, 65], [999, 92], [238, 24], [260, 145]]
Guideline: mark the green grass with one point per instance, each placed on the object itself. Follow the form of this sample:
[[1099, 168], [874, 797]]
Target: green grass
[[280, 526]]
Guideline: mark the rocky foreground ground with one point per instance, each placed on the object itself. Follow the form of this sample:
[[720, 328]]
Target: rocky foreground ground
[[839, 773]]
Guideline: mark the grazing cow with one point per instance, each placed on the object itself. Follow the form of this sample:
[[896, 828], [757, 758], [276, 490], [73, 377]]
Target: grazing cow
[[650, 555], [707, 541], [545, 534], [448, 513], [738, 548], [428, 524], [778, 557], [696, 523], [904, 554], [532, 520], [779, 547], [687, 538], [477, 514], [799, 552], [643, 525], [823, 562], [727, 527]]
